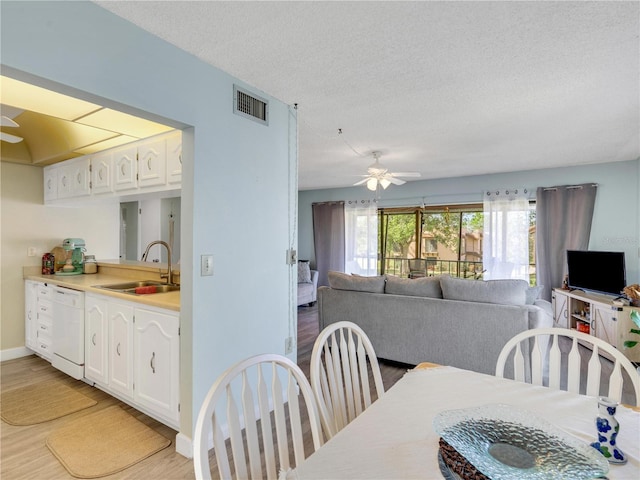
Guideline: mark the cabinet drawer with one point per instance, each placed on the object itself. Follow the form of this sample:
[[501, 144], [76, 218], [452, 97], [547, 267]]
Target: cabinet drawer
[[45, 308], [44, 327], [43, 346], [43, 291]]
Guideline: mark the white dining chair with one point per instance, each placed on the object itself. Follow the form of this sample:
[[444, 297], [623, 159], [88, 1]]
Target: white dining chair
[[341, 362], [569, 364], [242, 405]]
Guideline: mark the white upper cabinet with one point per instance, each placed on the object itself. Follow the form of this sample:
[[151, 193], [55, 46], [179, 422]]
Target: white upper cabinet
[[152, 162], [146, 166], [125, 168], [74, 177], [174, 157], [102, 173], [50, 183]]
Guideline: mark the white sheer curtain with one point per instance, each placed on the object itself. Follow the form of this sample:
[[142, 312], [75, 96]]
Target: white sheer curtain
[[506, 234], [361, 237]]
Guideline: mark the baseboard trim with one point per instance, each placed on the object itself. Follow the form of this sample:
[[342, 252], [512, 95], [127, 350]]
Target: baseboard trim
[[13, 353], [184, 445]]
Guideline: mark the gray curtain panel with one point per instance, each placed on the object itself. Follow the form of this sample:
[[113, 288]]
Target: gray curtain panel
[[563, 222], [328, 238]]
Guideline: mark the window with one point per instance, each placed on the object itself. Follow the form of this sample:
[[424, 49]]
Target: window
[[451, 237]]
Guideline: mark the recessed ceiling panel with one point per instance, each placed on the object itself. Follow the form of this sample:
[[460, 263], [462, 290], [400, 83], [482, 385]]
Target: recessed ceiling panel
[[124, 123], [105, 145]]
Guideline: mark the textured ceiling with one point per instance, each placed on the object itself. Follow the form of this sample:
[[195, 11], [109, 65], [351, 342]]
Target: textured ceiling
[[442, 88]]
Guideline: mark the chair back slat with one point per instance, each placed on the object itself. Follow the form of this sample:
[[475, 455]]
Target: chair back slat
[[347, 383], [265, 422], [240, 420], [279, 419], [354, 375], [536, 363], [555, 363], [573, 367], [342, 349], [594, 372], [566, 368]]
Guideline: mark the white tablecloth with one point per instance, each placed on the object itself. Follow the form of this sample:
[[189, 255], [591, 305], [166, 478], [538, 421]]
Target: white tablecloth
[[395, 439]]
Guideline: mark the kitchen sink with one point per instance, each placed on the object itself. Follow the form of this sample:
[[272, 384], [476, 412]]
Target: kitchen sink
[[139, 287]]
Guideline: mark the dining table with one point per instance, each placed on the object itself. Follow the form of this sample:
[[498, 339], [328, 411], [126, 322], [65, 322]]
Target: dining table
[[395, 437]]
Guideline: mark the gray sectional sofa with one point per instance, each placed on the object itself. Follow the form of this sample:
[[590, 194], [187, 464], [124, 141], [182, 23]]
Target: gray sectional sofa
[[442, 319]]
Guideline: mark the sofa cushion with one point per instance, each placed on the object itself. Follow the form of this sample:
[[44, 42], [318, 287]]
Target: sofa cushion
[[418, 287], [502, 292], [304, 271], [344, 281], [533, 293]]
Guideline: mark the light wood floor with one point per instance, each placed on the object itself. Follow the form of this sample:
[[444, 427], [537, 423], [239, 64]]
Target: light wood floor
[[24, 455]]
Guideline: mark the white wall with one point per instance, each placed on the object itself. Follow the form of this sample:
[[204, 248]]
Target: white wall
[[237, 190], [616, 219], [26, 222]]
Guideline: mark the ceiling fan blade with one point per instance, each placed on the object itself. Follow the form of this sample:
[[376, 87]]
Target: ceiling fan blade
[[6, 137], [405, 174], [7, 122], [364, 180], [394, 180]]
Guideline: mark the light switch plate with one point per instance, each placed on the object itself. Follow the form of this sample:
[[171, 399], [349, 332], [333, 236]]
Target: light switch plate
[[206, 265]]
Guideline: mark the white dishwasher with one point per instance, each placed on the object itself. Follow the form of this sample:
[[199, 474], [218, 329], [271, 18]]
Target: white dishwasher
[[68, 331]]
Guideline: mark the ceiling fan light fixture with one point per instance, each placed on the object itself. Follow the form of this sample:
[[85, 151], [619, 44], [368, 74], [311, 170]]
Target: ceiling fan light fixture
[[384, 183], [372, 184]]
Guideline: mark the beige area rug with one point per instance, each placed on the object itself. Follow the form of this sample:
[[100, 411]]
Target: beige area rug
[[103, 443], [41, 402]]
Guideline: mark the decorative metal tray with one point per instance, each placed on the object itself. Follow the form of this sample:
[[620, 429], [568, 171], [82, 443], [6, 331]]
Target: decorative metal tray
[[504, 442]]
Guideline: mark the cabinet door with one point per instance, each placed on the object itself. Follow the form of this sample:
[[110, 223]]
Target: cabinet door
[[120, 348], [79, 171], [156, 364], [101, 173], [174, 158], [63, 180], [96, 338], [50, 183], [30, 314], [125, 168], [560, 309], [152, 162], [604, 321]]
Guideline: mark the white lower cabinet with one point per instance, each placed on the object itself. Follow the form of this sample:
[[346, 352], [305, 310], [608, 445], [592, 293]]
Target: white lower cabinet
[[134, 353], [156, 357], [96, 338]]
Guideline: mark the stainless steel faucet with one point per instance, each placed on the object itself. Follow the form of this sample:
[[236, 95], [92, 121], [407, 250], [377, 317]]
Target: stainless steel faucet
[[169, 274]]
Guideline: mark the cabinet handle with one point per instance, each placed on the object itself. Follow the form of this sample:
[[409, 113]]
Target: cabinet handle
[[118, 349], [43, 327], [93, 339], [49, 184], [78, 178], [122, 170], [152, 363], [180, 159], [100, 174], [149, 164], [64, 181], [43, 346]]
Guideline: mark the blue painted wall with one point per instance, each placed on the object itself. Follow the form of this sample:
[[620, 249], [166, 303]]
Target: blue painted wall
[[616, 219], [239, 183]]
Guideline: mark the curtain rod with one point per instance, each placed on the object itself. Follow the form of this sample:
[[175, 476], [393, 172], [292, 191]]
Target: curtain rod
[[337, 202], [568, 187]]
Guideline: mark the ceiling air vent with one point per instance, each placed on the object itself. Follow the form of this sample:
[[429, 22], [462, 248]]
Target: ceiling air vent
[[250, 106]]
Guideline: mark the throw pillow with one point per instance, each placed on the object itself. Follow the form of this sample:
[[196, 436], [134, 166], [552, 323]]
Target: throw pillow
[[502, 292], [418, 287], [343, 281], [304, 271], [533, 293]]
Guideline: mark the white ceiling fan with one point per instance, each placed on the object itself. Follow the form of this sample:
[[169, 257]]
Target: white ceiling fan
[[378, 174], [7, 137]]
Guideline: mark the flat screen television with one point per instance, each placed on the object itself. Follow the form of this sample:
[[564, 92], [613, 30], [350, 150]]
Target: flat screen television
[[602, 272]]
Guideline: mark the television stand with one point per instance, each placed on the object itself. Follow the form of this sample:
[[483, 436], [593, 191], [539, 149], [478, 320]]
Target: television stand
[[596, 315]]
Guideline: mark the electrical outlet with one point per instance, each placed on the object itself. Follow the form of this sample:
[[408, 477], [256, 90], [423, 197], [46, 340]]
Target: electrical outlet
[[206, 265], [292, 257], [288, 345]]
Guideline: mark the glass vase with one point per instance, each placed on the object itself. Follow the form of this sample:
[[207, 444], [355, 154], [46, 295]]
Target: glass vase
[[608, 428]]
